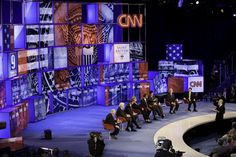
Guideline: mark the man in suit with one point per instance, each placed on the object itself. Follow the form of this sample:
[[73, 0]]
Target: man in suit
[[220, 111], [138, 109], [144, 106], [110, 119], [190, 99], [155, 106], [129, 111], [120, 113], [172, 101]]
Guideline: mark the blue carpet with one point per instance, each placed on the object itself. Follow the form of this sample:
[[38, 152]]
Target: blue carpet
[[71, 130]]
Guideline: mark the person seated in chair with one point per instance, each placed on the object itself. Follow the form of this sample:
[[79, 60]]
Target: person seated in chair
[[110, 119], [129, 112], [155, 106], [190, 99], [172, 101], [144, 106], [137, 107], [120, 113]]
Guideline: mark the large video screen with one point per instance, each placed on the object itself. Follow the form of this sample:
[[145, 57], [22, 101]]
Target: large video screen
[[165, 65], [74, 12], [105, 34], [60, 12], [106, 13], [160, 83], [46, 35], [121, 53]]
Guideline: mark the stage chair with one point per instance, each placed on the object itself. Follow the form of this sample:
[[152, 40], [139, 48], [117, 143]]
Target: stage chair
[[123, 121], [108, 127]]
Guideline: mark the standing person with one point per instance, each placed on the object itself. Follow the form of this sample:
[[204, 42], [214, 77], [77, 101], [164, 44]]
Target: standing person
[[220, 111], [189, 98], [110, 119], [172, 101]]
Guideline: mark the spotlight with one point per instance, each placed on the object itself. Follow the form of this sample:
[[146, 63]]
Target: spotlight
[[222, 10], [234, 15], [197, 2]]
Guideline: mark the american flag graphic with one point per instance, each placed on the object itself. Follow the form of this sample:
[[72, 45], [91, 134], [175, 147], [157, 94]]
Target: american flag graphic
[[174, 52], [45, 12], [27, 61], [90, 55]]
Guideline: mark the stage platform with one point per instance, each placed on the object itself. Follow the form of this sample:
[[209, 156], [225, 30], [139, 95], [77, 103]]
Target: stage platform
[[71, 129]]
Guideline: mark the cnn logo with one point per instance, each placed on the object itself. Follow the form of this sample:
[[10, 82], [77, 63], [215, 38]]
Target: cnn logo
[[196, 84], [126, 20]]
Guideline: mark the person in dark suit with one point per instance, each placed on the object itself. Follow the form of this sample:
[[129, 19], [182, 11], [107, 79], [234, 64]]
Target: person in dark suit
[[139, 110], [129, 112], [121, 113], [155, 106], [110, 119], [172, 101], [189, 98], [166, 150], [144, 106], [220, 111]]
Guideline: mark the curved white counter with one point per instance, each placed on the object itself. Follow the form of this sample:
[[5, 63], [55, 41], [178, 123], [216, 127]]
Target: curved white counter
[[175, 131]]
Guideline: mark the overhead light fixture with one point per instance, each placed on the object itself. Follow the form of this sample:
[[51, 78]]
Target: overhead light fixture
[[197, 2]]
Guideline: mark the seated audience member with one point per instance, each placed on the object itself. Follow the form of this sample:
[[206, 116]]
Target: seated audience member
[[190, 99], [140, 110], [110, 119], [172, 101], [155, 106], [144, 106], [223, 150], [129, 112], [120, 113], [231, 132], [166, 150]]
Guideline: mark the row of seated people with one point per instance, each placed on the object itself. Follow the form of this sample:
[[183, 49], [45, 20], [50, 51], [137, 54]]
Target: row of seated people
[[226, 144], [148, 104]]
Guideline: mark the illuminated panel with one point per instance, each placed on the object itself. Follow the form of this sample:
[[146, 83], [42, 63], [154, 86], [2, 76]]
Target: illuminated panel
[[89, 34], [12, 64], [19, 36], [136, 51], [90, 55], [48, 82], [27, 61], [60, 57], [106, 13], [45, 58], [46, 35], [61, 35], [59, 101], [31, 12], [60, 12], [121, 53], [91, 75], [176, 83], [174, 52], [2, 95], [75, 77], [75, 56], [75, 36], [75, 98], [32, 36], [105, 34], [75, 13], [45, 12], [62, 79], [8, 37], [92, 13]]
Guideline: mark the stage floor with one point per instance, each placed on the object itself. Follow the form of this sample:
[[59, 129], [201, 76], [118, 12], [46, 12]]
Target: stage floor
[[71, 129]]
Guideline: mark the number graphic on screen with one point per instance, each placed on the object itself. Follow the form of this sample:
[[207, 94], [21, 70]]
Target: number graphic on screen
[[13, 62]]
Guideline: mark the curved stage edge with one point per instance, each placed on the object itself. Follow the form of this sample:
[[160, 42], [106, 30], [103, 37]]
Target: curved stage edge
[[176, 130]]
